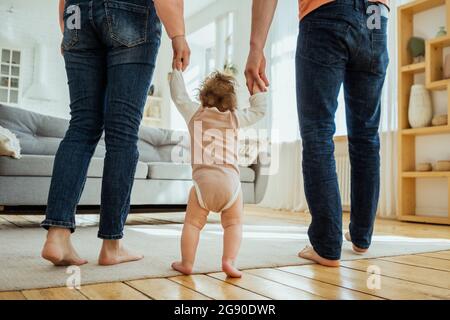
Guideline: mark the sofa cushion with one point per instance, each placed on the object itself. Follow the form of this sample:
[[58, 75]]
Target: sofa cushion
[[183, 171], [42, 166]]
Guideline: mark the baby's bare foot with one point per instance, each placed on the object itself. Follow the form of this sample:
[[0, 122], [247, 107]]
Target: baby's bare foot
[[183, 268], [230, 269], [58, 249], [310, 254], [114, 253], [355, 248]]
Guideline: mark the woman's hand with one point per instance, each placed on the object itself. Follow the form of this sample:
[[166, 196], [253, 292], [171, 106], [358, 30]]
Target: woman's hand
[[181, 53]]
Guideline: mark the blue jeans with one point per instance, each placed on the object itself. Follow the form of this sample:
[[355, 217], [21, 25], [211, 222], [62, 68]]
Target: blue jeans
[[335, 48], [109, 61]]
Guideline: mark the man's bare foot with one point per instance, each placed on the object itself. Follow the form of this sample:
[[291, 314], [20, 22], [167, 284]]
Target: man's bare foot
[[310, 254], [355, 248], [230, 269], [58, 248], [113, 252], [183, 268]]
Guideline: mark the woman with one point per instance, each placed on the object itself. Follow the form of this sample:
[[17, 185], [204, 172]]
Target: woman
[[110, 49]]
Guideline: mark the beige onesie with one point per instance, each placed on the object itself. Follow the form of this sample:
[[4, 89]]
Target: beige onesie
[[214, 145]]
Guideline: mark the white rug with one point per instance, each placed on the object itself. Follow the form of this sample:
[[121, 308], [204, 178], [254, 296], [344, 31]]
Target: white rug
[[267, 245]]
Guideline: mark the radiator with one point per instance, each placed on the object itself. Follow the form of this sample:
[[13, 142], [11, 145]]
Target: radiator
[[343, 172]]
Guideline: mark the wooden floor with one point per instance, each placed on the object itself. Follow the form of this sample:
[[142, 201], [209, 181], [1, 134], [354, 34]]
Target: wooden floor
[[420, 276]]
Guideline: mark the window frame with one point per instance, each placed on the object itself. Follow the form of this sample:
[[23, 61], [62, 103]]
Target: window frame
[[9, 88]]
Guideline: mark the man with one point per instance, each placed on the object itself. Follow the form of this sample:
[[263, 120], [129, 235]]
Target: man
[[339, 42]]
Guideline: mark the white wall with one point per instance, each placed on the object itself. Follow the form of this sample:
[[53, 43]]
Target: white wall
[[30, 24]]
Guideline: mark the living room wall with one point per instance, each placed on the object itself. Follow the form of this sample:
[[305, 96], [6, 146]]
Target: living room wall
[[32, 27]]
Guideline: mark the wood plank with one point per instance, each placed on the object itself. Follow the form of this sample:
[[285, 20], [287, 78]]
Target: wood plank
[[414, 68], [390, 288], [437, 278], [424, 219], [54, 294], [216, 289], [438, 255], [112, 291], [325, 290], [420, 5], [164, 289], [426, 131], [267, 288], [428, 174], [11, 295], [420, 261]]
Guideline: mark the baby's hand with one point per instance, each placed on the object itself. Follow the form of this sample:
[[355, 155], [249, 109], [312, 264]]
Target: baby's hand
[[256, 88]]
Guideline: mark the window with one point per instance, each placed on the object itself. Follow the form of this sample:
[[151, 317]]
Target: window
[[9, 76], [212, 48]]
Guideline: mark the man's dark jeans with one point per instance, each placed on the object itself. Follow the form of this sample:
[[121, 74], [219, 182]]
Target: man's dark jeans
[[336, 47]]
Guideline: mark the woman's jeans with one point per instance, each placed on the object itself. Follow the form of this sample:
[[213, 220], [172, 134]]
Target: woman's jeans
[[110, 58], [336, 47]]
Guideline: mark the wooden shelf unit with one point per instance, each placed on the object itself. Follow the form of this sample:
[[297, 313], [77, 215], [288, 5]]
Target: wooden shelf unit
[[432, 68]]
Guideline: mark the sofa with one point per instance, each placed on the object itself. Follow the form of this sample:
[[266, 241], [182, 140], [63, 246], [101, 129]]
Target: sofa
[[158, 180]]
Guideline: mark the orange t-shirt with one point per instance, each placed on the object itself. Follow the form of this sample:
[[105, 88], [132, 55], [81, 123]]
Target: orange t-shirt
[[307, 6]]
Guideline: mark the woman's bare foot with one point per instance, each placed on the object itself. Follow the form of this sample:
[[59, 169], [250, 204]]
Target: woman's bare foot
[[355, 248], [310, 254], [230, 269], [183, 268], [114, 253], [58, 248]]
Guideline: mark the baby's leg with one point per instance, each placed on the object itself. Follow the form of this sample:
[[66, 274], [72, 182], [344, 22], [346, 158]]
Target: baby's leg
[[194, 222], [232, 236]]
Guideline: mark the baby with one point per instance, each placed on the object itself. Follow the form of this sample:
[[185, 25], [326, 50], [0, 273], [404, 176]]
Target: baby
[[213, 127]]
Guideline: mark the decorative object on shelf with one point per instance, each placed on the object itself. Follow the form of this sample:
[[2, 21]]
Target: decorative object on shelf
[[443, 165], [446, 69], [420, 110], [440, 120], [424, 167], [416, 47], [441, 32]]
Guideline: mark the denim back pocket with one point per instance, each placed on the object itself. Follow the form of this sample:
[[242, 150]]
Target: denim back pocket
[[71, 36], [127, 22], [380, 55], [323, 41]]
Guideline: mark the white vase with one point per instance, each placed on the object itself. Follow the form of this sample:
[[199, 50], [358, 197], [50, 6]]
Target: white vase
[[420, 110]]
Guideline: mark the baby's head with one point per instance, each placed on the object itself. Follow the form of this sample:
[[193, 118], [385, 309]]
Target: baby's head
[[218, 90]]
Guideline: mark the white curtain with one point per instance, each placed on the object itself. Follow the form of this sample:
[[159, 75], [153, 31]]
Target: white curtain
[[285, 187], [284, 121], [388, 125]]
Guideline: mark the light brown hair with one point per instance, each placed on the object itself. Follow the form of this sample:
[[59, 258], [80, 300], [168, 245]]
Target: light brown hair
[[218, 90]]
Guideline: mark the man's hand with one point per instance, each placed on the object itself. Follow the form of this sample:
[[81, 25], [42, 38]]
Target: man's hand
[[181, 53], [262, 16], [255, 71]]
